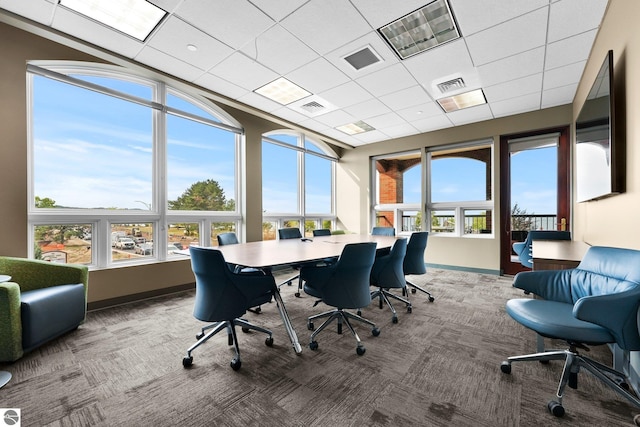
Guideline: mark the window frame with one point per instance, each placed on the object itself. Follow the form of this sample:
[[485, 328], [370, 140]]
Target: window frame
[[159, 216]]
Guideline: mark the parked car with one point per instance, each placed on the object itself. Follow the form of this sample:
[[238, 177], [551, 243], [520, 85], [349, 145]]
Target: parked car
[[176, 245], [139, 240], [144, 249], [125, 243]]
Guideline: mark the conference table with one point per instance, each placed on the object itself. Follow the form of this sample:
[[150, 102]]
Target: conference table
[[268, 254]]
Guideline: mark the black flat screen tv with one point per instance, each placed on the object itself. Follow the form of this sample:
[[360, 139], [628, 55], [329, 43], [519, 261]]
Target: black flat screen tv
[[600, 159]]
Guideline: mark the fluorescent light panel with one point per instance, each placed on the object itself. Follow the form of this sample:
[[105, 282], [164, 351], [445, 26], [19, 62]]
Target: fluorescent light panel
[[463, 100], [137, 18], [283, 91], [355, 128], [421, 30]]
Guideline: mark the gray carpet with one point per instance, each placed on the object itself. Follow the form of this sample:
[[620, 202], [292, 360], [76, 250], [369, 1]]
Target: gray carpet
[[438, 366]]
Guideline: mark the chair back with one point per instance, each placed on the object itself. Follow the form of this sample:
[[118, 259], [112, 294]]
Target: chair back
[[322, 232], [289, 233], [383, 231], [217, 298], [414, 259], [229, 238], [608, 271], [348, 286], [387, 270]]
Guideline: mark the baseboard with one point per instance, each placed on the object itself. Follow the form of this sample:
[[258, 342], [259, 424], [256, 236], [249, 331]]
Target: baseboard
[[111, 302], [467, 269]]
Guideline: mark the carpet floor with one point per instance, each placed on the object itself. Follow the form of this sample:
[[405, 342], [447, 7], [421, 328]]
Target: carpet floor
[[438, 366]]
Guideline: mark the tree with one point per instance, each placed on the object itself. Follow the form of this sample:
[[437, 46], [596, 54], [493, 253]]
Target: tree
[[203, 196], [45, 202], [520, 219]]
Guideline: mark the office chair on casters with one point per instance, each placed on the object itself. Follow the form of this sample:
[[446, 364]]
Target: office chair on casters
[[222, 297], [292, 233], [594, 304], [387, 273], [383, 231], [523, 249], [343, 285], [321, 232], [414, 260]]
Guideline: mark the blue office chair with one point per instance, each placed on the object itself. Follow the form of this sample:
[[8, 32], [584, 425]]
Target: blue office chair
[[321, 232], [387, 273], [523, 249], [343, 285], [229, 238], [383, 231], [594, 304], [414, 260], [292, 233], [222, 297]]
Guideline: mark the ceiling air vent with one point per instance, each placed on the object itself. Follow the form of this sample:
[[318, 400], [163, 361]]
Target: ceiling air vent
[[362, 58], [451, 85], [312, 107]]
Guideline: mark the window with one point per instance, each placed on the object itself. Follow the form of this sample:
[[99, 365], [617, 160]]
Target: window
[[398, 184], [124, 169], [460, 189], [297, 183]]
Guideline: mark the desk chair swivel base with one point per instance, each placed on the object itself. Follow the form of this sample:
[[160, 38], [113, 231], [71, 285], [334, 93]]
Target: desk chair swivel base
[[343, 318], [384, 295], [574, 361], [415, 287], [232, 337]]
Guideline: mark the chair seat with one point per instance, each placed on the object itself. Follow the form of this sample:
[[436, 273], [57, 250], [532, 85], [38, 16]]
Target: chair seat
[[554, 319]]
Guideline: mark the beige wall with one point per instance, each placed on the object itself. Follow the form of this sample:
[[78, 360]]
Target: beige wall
[[614, 221], [477, 252]]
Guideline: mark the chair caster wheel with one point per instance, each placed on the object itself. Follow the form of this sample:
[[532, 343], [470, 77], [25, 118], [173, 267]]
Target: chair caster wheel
[[359, 312], [360, 350], [555, 408], [310, 326], [431, 299], [245, 330], [394, 319], [313, 345], [236, 364], [636, 420], [187, 362], [200, 335], [375, 332], [257, 310], [297, 294], [544, 362], [269, 341], [413, 290], [409, 309], [505, 367]]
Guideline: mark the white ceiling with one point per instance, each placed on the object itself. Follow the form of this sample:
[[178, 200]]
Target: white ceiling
[[525, 54]]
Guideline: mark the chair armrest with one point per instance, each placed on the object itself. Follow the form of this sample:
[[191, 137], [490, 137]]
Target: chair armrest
[[552, 285], [610, 311], [10, 322], [37, 274], [253, 286]]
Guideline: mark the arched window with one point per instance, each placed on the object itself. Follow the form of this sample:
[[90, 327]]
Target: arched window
[[298, 175], [125, 169]]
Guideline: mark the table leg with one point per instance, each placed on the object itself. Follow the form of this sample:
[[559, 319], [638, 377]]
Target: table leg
[[287, 322]]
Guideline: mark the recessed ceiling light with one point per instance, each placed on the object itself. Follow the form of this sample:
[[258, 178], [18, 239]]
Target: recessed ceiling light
[[421, 30], [283, 91], [136, 18], [192, 47], [463, 100], [355, 128]]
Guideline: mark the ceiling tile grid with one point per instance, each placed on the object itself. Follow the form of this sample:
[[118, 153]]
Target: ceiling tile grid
[[524, 54]]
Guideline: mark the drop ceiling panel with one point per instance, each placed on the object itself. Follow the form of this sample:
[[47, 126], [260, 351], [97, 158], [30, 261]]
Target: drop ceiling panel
[[432, 123], [558, 96], [563, 76], [570, 50], [243, 72], [513, 67], [37, 10], [367, 109], [371, 40], [414, 95], [514, 88], [388, 80], [326, 25], [381, 12], [470, 115], [474, 16], [386, 120], [510, 38], [517, 105], [336, 118], [161, 61], [265, 104], [347, 94], [234, 22], [280, 51], [571, 17], [221, 86], [173, 37], [318, 76], [399, 131], [420, 112], [278, 10]]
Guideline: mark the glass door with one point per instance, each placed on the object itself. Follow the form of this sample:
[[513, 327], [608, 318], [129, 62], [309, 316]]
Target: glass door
[[535, 188]]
